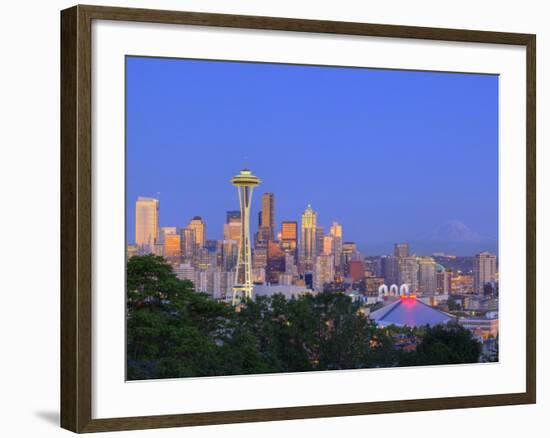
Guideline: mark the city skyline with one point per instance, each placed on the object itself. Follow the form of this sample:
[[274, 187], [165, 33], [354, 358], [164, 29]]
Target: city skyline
[[357, 172]]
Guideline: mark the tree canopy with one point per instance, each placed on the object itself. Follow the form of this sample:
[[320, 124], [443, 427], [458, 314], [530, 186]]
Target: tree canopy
[[174, 331]]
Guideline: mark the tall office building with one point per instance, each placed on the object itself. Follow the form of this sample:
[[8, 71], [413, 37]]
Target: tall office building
[[308, 239], [188, 244], [357, 270], [232, 215], [242, 288], [337, 242], [427, 275], [328, 244], [485, 270], [389, 269], [147, 224], [230, 250], [323, 271], [275, 262], [349, 253], [165, 231], [172, 247], [443, 279], [319, 240], [232, 228], [401, 250], [268, 215], [408, 272], [262, 236], [259, 257], [198, 225], [289, 236]]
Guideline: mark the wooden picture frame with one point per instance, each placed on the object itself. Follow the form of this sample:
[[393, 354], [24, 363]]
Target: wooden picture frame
[[76, 217]]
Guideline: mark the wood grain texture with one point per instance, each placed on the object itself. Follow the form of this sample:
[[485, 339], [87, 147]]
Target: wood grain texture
[[76, 224]]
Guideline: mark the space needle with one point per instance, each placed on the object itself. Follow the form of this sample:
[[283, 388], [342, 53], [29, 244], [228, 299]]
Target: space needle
[[245, 183]]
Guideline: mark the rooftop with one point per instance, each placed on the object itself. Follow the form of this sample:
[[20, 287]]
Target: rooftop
[[408, 311]]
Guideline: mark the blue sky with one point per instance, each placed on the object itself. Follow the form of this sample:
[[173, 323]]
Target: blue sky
[[389, 154]]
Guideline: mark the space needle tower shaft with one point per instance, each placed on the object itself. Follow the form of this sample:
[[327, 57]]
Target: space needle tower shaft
[[242, 288]]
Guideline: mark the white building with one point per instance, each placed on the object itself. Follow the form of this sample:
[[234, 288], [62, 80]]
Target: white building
[[289, 291], [485, 270]]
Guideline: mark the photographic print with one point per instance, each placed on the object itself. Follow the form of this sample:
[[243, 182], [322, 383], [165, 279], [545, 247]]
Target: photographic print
[[287, 218]]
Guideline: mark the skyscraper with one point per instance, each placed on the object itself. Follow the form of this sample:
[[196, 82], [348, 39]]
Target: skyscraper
[[268, 215], [230, 250], [319, 236], [289, 236], [199, 226], [328, 244], [485, 269], [245, 183], [188, 244], [443, 279], [147, 224], [427, 275], [232, 215], [323, 271], [172, 247], [401, 250], [308, 239], [349, 253], [232, 228], [408, 272], [275, 262], [357, 270], [389, 269], [165, 231], [337, 236]]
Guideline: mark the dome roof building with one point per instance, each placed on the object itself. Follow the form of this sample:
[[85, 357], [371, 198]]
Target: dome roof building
[[411, 312]]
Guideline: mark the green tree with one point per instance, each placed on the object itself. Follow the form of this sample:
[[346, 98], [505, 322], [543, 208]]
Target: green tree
[[444, 344], [172, 331]]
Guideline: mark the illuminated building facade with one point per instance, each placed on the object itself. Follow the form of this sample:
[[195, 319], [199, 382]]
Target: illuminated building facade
[[308, 239], [172, 247], [289, 237], [198, 225], [267, 217], [147, 224], [337, 236]]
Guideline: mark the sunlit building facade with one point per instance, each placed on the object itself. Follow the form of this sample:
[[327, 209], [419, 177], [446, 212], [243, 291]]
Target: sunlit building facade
[[289, 236], [198, 225], [337, 240], [172, 247], [268, 216], [328, 244], [308, 239], [147, 224]]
